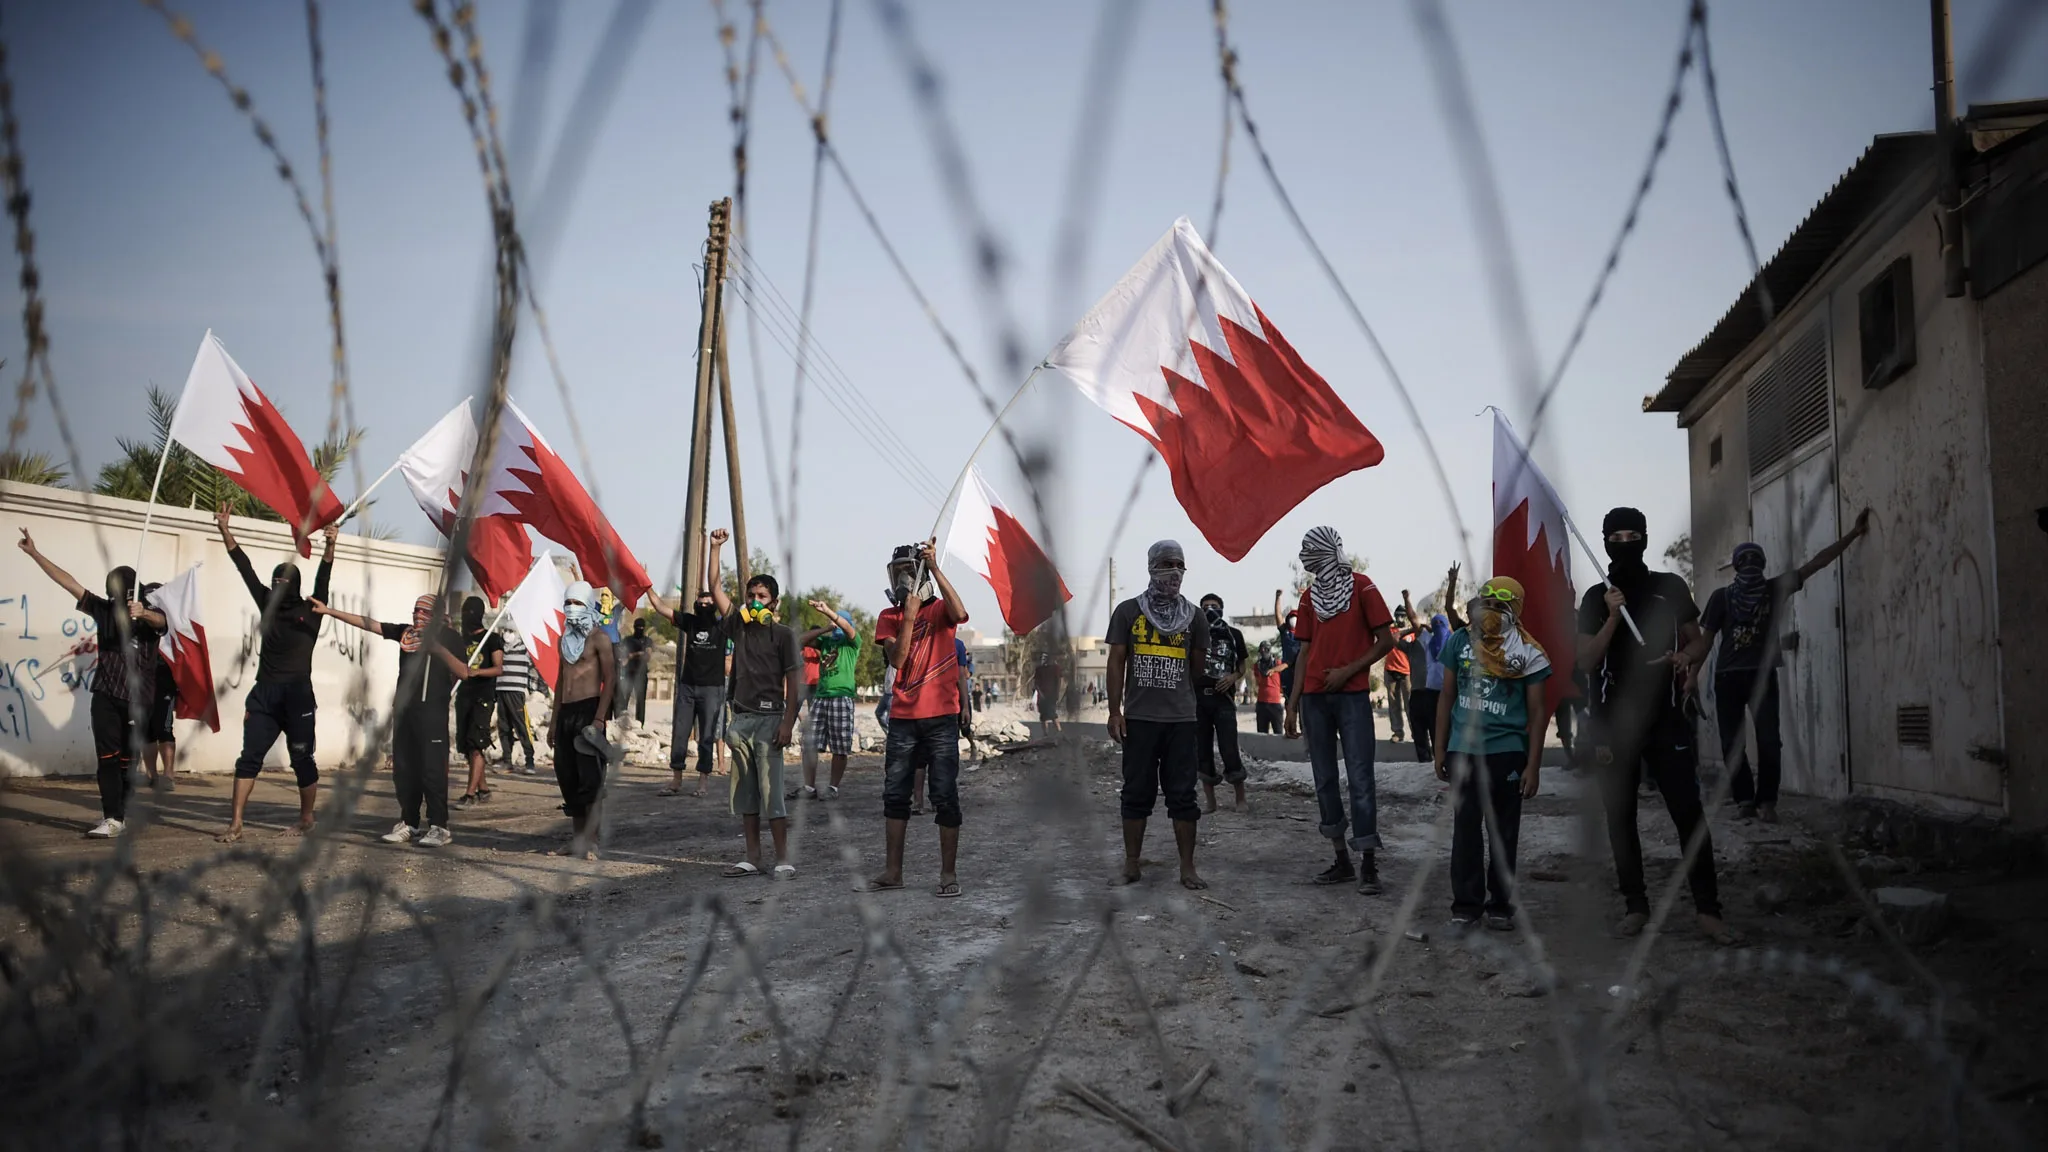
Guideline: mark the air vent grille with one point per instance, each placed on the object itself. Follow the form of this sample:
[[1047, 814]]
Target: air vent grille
[[1916, 726], [1788, 401]]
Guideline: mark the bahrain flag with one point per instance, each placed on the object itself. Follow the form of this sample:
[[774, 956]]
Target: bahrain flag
[[1178, 352], [532, 484], [436, 468], [536, 610], [184, 648], [1529, 547], [226, 422], [994, 543]]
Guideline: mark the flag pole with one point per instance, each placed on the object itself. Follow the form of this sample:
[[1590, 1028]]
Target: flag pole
[[374, 485], [954, 492], [1570, 524], [162, 457]]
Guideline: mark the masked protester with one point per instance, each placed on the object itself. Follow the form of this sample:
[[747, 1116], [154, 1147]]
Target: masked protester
[[1639, 716], [1223, 660], [916, 633], [1272, 694], [701, 647], [633, 670], [767, 691], [576, 724], [1745, 615], [160, 736], [514, 680], [281, 701], [123, 676], [1157, 641], [428, 664], [1489, 745], [1344, 628], [476, 697]]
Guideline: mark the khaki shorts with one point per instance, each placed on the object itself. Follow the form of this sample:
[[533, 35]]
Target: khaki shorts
[[756, 764]]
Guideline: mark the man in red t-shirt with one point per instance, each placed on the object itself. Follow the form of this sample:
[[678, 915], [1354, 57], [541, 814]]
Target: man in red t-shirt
[[1272, 699], [1344, 628], [924, 710]]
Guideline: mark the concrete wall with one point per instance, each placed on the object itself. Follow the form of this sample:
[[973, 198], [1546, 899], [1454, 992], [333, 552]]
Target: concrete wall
[[47, 647], [2015, 326], [1919, 618]]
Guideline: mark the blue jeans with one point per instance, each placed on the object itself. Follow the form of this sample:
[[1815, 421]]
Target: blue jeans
[[1327, 717]]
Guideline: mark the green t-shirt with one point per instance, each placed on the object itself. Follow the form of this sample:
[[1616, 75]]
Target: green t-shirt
[[1490, 712], [837, 654]]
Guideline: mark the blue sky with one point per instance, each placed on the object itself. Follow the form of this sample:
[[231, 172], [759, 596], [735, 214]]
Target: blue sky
[[157, 216]]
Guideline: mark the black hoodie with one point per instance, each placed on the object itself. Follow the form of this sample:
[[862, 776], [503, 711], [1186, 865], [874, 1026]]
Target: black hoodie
[[287, 655]]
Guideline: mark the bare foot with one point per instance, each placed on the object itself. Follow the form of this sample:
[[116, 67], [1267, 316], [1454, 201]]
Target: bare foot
[[569, 849], [1720, 933], [591, 855], [700, 787], [296, 830], [233, 834], [1237, 805], [1632, 924], [1190, 881], [1208, 798], [1131, 870], [884, 883]]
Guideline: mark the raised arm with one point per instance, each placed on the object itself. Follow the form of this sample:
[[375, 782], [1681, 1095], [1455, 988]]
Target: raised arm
[[1833, 552], [711, 564], [258, 590], [956, 611], [324, 575], [1279, 611], [50, 569], [660, 606]]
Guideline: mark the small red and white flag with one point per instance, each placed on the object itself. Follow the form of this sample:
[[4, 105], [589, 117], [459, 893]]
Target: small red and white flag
[[436, 468], [531, 483], [183, 648], [1529, 546], [535, 608], [994, 543], [226, 422], [1179, 352]]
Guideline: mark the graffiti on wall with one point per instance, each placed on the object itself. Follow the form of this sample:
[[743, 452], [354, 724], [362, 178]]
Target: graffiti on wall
[[25, 678]]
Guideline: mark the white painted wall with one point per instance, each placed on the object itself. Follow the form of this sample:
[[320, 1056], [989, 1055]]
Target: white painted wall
[[46, 645]]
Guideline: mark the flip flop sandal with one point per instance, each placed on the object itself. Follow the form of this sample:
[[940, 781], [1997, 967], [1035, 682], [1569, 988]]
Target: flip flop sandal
[[878, 886], [669, 792], [741, 869], [946, 891], [785, 871]]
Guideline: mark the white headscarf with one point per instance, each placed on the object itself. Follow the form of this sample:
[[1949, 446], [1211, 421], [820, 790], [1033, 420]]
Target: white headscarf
[[1161, 601], [577, 621], [1322, 556]]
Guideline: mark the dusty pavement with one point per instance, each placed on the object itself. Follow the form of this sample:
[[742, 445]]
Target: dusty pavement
[[490, 995]]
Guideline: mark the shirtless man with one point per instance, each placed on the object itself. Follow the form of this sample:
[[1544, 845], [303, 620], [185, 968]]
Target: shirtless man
[[583, 699]]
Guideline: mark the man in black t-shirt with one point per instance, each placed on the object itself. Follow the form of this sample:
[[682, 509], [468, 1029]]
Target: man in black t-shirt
[[1745, 615], [1216, 683], [700, 688], [427, 667], [1639, 716], [123, 678], [476, 699]]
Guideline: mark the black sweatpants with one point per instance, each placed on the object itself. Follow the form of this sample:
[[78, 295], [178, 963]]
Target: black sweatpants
[[579, 774], [1664, 749], [1732, 692], [279, 708], [1269, 716], [419, 766], [1398, 701], [1216, 730], [1159, 757], [512, 724], [1476, 887], [1422, 704], [113, 742]]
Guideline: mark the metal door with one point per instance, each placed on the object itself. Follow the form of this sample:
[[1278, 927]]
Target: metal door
[[1793, 516]]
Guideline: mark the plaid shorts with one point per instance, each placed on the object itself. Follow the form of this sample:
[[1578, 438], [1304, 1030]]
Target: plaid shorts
[[832, 725]]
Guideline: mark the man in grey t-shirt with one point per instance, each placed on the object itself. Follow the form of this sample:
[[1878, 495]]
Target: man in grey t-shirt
[[1155, 641]]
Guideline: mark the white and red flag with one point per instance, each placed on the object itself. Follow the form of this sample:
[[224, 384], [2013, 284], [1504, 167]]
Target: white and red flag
[[531, 483], [1529, 546], [1179, 352], [536, 610], [994, 543], [226, 422], [183, 647], [436, 468]]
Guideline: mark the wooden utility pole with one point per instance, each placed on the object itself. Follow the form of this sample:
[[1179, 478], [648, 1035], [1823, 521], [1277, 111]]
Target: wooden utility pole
[[743, 561], [708, 330]]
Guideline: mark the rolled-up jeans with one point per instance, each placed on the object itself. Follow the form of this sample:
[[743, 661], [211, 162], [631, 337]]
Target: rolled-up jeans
[[1327, 718]]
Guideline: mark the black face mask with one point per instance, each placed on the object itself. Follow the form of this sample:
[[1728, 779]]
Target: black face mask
[[285, 577], [1215, 615], [1627, 556]]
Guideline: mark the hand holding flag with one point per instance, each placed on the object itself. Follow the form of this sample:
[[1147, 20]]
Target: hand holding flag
[[994, 543]]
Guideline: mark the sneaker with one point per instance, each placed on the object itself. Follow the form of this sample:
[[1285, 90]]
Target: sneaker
[[1460, 923], [1338, 873], [831, 791], [1500, 923], [401, 833], [528, 770], [105, 830], [1368, 878], [436, 837], [468, 798]]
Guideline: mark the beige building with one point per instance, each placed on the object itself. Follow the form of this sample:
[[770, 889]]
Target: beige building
[[1913, 670]]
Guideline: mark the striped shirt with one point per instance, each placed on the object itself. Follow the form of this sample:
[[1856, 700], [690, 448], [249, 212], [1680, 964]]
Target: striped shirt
[[518, 671]]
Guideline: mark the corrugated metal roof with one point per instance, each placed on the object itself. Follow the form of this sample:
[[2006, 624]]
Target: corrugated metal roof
[[1874, 176]]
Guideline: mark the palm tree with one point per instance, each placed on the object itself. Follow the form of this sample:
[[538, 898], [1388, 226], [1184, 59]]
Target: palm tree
[[32, 468]]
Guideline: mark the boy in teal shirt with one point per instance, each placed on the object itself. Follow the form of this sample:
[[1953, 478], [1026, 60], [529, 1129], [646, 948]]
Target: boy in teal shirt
[[1490, 740]]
